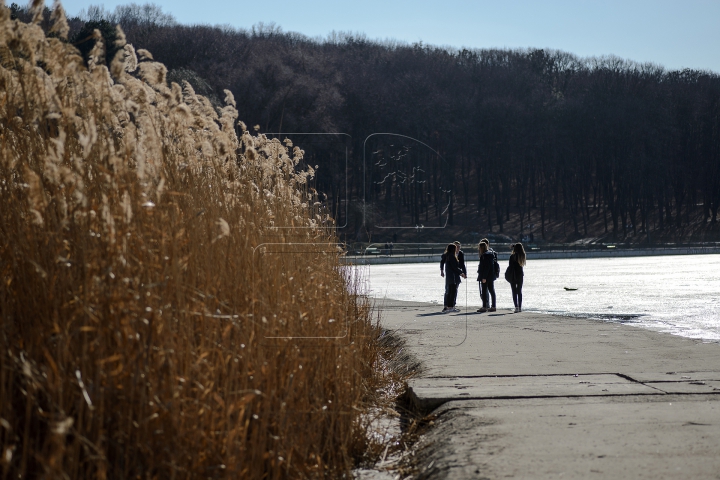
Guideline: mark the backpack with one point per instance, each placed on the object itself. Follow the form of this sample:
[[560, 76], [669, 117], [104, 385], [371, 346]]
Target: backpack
[[496, 265]]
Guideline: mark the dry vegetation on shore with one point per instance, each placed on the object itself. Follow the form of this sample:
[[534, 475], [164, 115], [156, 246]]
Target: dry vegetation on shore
[[147, 291]]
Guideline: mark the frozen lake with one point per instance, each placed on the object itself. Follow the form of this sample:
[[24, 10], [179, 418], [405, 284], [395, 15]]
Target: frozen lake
[[674, 294]]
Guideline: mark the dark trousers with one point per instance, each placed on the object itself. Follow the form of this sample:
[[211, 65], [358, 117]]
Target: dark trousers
[[517, 294], [450, 293], [485, 288]]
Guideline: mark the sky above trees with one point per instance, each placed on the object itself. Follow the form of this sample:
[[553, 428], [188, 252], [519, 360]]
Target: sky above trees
[[670, 33]]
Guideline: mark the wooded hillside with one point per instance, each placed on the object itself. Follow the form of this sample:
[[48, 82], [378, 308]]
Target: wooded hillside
[[510, 141]]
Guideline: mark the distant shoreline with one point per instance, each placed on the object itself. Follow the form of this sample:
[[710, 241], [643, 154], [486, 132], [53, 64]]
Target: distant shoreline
[[537, 254]]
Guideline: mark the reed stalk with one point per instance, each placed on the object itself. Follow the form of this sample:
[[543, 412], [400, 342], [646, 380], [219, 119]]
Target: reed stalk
[[172, 300]]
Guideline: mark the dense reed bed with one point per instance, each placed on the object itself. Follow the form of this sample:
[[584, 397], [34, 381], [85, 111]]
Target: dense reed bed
[[172, 303]]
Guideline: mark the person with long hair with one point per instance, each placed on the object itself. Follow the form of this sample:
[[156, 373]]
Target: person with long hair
[[486, 277], [517, 262], [452, 278], [443, 259], [461, 260]]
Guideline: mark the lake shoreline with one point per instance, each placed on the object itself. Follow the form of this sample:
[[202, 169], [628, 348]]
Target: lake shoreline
[[504, 254], [677, 294]]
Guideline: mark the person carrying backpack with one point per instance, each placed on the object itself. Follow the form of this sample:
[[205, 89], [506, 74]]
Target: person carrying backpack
[[496, 265], [486, 277]]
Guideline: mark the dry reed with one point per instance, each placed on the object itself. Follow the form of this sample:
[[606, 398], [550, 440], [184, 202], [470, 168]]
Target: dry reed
[[172, 302]]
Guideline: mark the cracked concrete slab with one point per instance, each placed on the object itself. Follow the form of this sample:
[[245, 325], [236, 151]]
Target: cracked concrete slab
[[659, 437], [675, 376], [506, 401], [687, 387], [432, 392]]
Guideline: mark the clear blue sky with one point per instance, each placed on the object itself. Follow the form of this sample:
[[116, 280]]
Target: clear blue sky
[[673, 33]]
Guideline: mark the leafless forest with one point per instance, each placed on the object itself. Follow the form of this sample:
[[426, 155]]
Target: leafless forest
[[512, 140], [601, 146]]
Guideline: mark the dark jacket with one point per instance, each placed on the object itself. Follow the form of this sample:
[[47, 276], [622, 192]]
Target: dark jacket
[[461, 261], [486, 270], [516, 271], [452, 269]]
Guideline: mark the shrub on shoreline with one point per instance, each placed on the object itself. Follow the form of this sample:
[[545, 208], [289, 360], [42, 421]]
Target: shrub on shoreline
[[172, 303]]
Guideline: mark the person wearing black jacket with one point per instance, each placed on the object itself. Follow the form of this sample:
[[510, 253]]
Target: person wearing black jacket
[[443, 259], [486, 277], [452, 278], [461, 258], [486, 241], [517, 262], [461, 261]]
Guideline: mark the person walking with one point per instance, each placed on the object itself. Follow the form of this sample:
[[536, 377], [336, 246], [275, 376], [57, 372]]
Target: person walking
[[516, 274], [452, 275], [486, 277]]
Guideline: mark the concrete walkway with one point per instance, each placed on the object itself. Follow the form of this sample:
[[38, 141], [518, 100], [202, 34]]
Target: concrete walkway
[[539, 396]]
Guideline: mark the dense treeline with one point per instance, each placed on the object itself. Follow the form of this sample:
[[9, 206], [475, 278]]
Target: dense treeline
[[519, 137]]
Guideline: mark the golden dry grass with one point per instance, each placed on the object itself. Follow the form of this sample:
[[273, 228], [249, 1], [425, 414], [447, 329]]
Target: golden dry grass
[[154, 267]]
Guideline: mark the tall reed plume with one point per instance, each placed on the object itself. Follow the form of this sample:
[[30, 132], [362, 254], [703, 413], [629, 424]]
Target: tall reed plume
[[172, 302]]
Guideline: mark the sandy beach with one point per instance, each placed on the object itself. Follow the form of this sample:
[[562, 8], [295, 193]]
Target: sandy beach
[[540, 396]]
